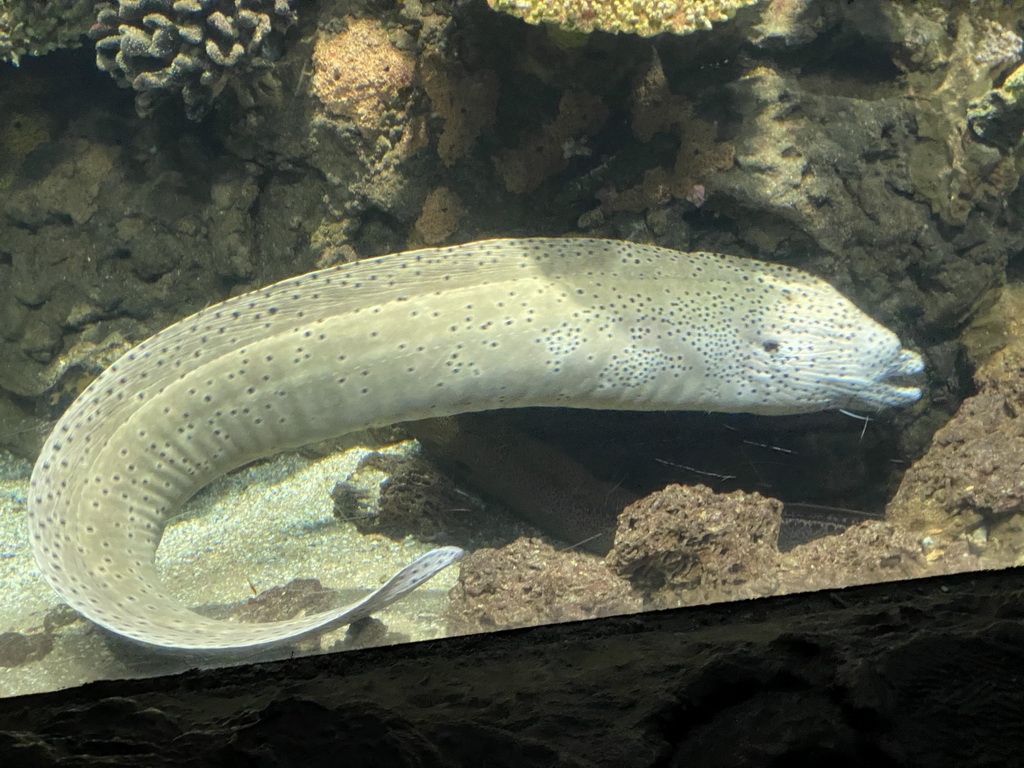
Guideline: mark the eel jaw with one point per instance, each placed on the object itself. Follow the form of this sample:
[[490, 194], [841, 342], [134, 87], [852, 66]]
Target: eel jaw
[[887, 391]]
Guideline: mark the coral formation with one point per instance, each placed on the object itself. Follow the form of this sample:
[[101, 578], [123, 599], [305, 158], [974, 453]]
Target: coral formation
[[639, 17], [187, 46], [29, 28], [360, 74]]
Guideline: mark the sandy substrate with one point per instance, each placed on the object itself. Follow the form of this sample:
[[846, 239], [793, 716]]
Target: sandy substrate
[[257, 528]]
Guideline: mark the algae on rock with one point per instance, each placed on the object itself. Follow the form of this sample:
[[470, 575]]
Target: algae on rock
[[638, 17]]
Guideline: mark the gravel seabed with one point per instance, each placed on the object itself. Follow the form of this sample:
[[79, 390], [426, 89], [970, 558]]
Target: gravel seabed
[[258, 527]]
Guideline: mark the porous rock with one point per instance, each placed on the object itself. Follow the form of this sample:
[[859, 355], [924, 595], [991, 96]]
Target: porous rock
[[415, 499], [970, 482], [298, 597], [529, 583], [693, 545], [870, 552], [361, 75]]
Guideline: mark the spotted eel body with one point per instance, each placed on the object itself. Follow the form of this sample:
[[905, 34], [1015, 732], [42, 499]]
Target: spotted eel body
[[493, 324]]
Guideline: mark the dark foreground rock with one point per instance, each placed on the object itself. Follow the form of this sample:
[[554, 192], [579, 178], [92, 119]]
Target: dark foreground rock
[[921, 673]]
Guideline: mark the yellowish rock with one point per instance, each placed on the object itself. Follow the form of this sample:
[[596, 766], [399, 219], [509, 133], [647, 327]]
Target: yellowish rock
[[360, 74], [639, 17], [440, 217]]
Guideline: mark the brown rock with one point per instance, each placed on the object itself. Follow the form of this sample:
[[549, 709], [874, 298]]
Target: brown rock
[[545, 151], [873, 551], [466, 102], [415, 500], [687, 545], [971, 481], [440, 216], [528, 583]]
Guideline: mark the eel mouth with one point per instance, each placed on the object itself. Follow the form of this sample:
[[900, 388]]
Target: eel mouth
[[896, 384]]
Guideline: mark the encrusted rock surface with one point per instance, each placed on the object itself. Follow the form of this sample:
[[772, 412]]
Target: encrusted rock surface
[[867, 553], [689, 539], [998, 117], [687, 546], [414, 500], [971, 481], [440, 217], [545, 150], [360, 74], [528, 583]]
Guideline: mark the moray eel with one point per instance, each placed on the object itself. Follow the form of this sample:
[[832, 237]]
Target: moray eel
[[494, 324]]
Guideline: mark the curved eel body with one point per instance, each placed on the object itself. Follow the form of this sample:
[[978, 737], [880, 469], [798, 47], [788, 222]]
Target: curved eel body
[[493, 324]]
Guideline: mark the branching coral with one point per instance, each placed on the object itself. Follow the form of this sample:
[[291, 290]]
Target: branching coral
[[29, 28], [640, 17], [187, 46]]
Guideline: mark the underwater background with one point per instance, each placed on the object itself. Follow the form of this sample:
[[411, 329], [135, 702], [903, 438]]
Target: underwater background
[[159, 157]]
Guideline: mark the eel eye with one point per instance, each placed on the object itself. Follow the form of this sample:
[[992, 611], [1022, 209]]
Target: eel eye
[[771, 346]]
